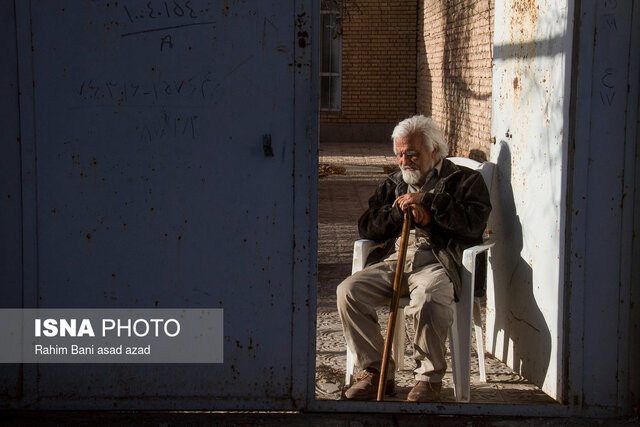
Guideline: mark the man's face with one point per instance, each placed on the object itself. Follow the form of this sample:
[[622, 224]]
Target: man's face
[[414, 159]]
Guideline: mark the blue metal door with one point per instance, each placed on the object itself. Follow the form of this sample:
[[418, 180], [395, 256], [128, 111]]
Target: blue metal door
[[165, 162]]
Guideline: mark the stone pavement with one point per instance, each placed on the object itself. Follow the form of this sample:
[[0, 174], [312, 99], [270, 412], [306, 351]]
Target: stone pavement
[[352, 174]]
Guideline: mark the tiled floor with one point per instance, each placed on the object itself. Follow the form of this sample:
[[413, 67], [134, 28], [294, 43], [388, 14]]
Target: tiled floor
[[370, 154], [342, 198]]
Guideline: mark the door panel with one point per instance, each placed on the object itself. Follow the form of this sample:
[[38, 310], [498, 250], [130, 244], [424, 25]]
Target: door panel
[[164, 155]]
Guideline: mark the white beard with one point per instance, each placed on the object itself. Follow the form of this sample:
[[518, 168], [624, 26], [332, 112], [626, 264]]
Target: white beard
[[415, 176], [411, 177]]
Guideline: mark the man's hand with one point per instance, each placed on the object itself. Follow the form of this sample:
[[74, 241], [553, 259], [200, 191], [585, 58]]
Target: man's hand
[[408, 199], [420, 214]]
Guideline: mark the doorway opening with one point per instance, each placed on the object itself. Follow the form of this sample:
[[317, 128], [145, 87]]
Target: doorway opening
[[413, 75]]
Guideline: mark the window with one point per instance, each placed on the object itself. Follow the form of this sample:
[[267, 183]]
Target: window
[[330, 57]]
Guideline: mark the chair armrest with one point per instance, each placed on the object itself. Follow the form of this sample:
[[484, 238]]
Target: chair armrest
[[361, 250], [469, 254]]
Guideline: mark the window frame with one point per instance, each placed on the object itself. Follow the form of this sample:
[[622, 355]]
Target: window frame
[[338, 74]]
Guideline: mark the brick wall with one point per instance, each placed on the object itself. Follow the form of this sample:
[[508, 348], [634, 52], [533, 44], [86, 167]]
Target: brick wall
[[454, 70], [403, 57], [378, 63]]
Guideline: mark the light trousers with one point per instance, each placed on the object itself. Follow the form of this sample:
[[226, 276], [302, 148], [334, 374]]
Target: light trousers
[[431, 294]]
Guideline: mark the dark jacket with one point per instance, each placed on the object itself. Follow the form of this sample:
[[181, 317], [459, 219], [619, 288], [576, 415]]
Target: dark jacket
[[459, 207]]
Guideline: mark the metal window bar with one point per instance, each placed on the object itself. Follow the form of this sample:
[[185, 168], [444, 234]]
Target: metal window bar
[[331, 63]]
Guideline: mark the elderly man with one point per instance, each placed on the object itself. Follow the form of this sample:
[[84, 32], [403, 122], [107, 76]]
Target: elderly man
[[450, 206]]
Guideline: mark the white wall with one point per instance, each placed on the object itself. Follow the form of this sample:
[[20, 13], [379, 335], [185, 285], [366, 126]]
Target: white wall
[[531, 86]]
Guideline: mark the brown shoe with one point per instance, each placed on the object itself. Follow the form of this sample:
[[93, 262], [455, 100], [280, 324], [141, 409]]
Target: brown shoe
[[366, 387], [424, 391]]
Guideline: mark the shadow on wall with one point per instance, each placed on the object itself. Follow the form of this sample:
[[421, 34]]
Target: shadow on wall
[[519, 323], [456, 56], [423, 83], [458, 50], [457, 68]]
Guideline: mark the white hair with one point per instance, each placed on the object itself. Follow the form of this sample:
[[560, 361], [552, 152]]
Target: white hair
[[427, 128]]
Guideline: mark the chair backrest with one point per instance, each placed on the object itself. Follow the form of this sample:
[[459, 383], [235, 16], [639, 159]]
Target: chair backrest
[[485, 168]]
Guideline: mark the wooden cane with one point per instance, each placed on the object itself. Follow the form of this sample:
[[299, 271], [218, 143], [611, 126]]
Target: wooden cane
[[395, 300]]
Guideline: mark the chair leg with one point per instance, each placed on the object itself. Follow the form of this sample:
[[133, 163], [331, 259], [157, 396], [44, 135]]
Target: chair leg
[[454, 343], [477, 320], [398, 340], [349, 368], [461, 348]]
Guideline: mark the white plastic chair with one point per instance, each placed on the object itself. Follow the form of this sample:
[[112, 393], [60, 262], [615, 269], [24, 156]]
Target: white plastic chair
[[465, 312]]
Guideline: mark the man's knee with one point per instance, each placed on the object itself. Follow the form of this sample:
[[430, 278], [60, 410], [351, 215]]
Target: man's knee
[[431, 305], [432, 288], [345, 289], [358, 287], [421, 298]]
